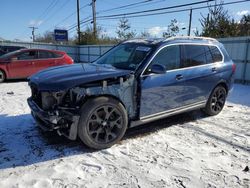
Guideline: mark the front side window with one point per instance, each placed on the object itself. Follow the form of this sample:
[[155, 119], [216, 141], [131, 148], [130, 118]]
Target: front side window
[[194, 55], [27, 55], [169, 57], [125, 56]]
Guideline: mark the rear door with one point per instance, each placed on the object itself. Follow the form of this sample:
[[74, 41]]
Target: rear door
[[21, 65], [45, 59], [201, 71]]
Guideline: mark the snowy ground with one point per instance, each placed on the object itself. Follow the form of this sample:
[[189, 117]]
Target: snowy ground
[[188, 150]]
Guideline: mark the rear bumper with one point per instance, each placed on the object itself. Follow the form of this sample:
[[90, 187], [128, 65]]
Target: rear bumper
[[50, 121]]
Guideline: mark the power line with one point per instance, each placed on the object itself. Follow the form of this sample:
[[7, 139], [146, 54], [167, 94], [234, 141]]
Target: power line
[[159, 13], [82, 22], [52, 5], [143, 5], [168, 12], [73, 13], [125, 6], [151, 10], [158, 9], [57, 10], [47, 9], [147, 2]]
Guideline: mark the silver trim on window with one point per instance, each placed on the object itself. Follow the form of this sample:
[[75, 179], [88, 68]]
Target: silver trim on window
[[200, 44]]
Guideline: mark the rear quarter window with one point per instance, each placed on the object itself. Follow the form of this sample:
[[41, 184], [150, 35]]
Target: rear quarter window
[[57, 55], [215, 53]]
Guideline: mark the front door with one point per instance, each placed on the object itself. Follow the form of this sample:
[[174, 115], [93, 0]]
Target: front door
[[21, 66], [163, 92]]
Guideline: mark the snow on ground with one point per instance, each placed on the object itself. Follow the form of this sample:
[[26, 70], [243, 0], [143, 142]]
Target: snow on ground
[[188, 150]]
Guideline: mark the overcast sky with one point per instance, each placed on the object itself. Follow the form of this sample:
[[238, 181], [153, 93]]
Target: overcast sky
[[18, 15]]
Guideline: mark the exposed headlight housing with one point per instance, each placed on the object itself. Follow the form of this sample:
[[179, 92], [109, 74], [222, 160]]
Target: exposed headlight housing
[[48, 101]]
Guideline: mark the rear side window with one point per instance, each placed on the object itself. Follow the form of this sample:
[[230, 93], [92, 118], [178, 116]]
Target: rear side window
[[169, 57], [209, 56], [45, 55], [215, 53], [194, 55]]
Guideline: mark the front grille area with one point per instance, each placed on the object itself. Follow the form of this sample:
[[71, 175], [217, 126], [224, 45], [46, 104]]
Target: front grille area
[[36, 96]]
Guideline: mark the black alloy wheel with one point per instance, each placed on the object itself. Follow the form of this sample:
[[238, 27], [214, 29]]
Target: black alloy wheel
[[103, 122], [216, 101]]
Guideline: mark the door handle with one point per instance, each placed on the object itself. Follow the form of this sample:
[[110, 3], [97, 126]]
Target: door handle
[[179, 77], [214, 69]]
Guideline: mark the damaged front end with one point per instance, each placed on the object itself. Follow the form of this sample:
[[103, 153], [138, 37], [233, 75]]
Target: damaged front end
[[61, 110]]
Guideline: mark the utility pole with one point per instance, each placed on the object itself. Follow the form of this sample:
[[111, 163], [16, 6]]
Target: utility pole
[[190, 21], [33, 32], [78, 23], [94, 17]]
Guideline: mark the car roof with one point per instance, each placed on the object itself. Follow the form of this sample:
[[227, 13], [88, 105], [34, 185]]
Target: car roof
[[33, 49], [174, 40]]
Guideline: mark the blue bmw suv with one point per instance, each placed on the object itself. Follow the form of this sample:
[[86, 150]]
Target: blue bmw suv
[[136, 82]]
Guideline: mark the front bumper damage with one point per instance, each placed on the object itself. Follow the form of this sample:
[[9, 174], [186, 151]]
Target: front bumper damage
[[64, 121]]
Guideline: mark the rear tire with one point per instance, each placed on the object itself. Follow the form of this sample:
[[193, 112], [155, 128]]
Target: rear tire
[[216, 101], [2, 76], [103, 122]]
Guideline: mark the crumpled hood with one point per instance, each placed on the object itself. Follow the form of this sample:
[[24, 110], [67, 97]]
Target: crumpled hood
[[69, 76]]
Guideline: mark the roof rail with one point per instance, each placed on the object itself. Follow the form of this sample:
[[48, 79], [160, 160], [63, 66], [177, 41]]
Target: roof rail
[[191, 37]]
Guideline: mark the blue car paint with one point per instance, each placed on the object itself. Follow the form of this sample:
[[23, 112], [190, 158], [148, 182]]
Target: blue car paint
[[162, 92], [69, 76]]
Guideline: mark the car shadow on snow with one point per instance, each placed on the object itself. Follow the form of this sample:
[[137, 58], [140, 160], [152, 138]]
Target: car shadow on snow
[[240, 95], [22, 143], [16, 80]]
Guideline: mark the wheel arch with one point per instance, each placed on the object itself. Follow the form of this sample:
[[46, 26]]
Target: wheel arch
[[106, 95], [223, 84], [4, 72]]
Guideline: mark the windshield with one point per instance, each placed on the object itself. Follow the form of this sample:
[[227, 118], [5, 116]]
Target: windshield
[[8, 55], [125, 56]]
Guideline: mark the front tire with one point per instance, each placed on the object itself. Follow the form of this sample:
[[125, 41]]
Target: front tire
[[216, 101], [2, 76], [103, 122]]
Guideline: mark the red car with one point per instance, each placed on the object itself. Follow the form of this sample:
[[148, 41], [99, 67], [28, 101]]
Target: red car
[[24, 63]]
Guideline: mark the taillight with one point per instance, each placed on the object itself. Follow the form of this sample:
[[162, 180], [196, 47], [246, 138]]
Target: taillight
[[234, 68]]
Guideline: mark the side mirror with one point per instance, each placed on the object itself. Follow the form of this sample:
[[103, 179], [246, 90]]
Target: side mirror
[[14, 59], [157, 69]]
